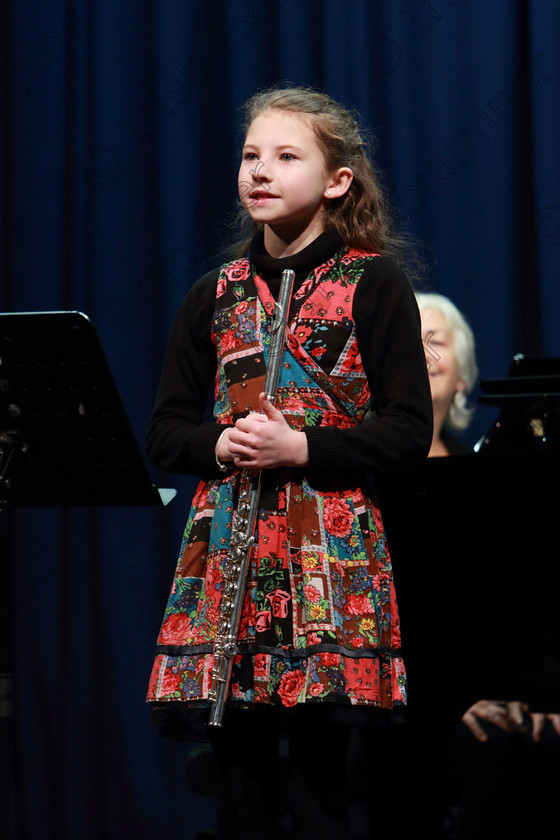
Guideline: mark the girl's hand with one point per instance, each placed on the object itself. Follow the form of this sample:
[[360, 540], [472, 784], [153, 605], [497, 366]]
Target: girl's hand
[[222, 447], [263, 441]]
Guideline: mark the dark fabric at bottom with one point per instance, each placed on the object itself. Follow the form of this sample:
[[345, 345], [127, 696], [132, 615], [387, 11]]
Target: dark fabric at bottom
[[505, 787], [189, 721], [309, 774]]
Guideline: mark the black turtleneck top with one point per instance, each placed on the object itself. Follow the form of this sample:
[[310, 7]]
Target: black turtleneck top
[[396, 434]]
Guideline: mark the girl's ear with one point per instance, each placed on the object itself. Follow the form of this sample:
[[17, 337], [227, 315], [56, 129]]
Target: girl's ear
[[339, 182]]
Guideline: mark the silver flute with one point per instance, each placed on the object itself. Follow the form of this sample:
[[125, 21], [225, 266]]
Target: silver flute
[[243, 528]]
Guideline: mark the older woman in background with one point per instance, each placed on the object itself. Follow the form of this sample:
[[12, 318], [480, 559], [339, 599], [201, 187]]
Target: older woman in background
[[450, 356]]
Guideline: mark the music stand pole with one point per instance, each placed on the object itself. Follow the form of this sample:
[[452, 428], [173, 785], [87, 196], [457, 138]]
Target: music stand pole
[[10, 444]]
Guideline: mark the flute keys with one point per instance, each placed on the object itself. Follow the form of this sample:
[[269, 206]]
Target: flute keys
[[227, 606]]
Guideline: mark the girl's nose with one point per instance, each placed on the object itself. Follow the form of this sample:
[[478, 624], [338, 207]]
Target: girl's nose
[[259, 171]]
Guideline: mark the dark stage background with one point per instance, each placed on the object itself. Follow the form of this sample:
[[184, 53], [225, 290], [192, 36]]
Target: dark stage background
[[119, 157]]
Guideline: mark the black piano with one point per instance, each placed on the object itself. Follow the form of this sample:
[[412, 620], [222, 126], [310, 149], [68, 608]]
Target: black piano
[[476, 555]]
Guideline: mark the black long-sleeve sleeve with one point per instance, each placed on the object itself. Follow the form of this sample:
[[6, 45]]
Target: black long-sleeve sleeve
[[179, 438], [397, 433]]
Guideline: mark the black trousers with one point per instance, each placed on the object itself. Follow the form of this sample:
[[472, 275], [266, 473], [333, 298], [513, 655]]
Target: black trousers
[[309, 776], [281, 778]]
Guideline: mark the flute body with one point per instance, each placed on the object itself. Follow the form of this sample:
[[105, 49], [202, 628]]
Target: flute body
[[243, 528]]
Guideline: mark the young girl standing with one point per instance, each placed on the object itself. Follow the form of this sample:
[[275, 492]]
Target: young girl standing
[[319, 645]]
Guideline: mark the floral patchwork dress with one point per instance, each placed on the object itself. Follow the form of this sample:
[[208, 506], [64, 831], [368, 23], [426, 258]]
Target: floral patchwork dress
[[320, 620]]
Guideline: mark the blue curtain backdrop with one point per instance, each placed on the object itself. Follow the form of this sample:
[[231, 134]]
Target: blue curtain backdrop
[[120, 147]]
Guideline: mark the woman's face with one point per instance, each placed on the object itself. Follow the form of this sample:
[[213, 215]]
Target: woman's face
[[443, 370]]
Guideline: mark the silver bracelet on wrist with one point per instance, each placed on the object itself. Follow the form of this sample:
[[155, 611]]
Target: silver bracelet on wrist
[[221, 466]]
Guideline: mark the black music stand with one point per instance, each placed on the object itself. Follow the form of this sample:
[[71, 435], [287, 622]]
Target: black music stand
[[65, 440]]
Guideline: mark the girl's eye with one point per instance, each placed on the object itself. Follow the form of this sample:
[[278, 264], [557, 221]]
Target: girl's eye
[[287, 156], [249, 156]]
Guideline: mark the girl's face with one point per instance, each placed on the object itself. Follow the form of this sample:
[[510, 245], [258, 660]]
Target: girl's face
[[443, 370], [282, 177]]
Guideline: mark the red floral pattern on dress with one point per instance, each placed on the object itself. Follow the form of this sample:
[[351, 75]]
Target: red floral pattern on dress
[[338, 516], [239, 271], [359, 604], [229, 342], [311, 593], [171, 682], [263, 621], [291, 686], [330, 659], [175, 629]]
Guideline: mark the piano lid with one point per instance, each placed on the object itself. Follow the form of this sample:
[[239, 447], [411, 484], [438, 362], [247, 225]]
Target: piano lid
[[529, 399]]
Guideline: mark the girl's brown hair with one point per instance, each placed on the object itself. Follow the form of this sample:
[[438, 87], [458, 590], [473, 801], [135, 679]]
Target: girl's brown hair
[[362, 217]]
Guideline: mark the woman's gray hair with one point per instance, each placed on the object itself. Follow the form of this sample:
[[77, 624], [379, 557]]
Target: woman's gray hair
[[460, 414]]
